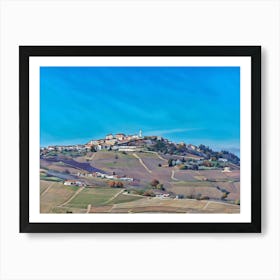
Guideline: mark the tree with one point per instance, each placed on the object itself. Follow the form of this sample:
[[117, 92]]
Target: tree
[[207, 163], [224, 196], [115, 184], [92, 149], [118, 184], [160, 187], [154, 183], [149, 193], [170, 162], [112, 184]]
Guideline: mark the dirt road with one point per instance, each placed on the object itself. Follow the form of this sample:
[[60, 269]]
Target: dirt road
[[73, 196], [47, 189], [172, 176], [142, 163]]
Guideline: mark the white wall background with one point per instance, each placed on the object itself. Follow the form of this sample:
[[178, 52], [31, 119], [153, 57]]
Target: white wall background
[[139, 256]]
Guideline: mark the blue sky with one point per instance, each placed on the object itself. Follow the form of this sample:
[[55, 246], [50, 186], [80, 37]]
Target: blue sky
[[191, 104]]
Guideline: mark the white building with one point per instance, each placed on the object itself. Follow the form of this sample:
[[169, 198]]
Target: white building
[[129, 148], [226, 169], [101, 147], [74, 183], [109, 136]]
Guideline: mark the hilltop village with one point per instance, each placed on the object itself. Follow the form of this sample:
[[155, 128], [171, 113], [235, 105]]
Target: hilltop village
[[118, 141], [198, 156]]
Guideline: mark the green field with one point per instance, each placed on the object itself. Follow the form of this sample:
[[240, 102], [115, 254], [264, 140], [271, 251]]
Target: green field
[[65, 210], [50, 178], [125, 198], [93, 196]]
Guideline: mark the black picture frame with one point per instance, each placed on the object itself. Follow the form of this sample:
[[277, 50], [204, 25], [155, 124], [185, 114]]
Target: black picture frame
[[254, 52]]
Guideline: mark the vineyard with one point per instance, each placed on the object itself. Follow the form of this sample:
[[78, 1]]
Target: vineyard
[[79, 165], [177, 191]]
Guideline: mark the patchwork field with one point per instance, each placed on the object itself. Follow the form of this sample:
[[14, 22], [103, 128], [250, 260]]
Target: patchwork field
[[199, 191], [94, 196]]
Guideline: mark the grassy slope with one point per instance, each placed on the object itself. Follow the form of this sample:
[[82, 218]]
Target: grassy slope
[[94, 196], [56, 195], [171, 205]]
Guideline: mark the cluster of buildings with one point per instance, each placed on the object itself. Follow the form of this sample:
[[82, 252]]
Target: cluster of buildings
[[74, 183], [61, 148], [116, 141], [97, 175], [104, 176]]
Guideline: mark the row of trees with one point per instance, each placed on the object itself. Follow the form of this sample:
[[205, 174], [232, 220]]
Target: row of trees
[[115, 184]]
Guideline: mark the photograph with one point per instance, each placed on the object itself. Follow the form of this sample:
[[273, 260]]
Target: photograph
[[139, 140]]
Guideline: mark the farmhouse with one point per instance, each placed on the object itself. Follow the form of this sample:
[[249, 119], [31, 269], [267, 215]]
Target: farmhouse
[[161, 194], [105, 176], [74, 183], [126, 179], [226, 169]]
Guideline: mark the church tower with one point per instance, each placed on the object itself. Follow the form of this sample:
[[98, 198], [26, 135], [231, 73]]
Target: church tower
[[140, 133]]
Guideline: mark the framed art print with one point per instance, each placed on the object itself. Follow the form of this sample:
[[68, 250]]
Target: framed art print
[[140, 138]]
